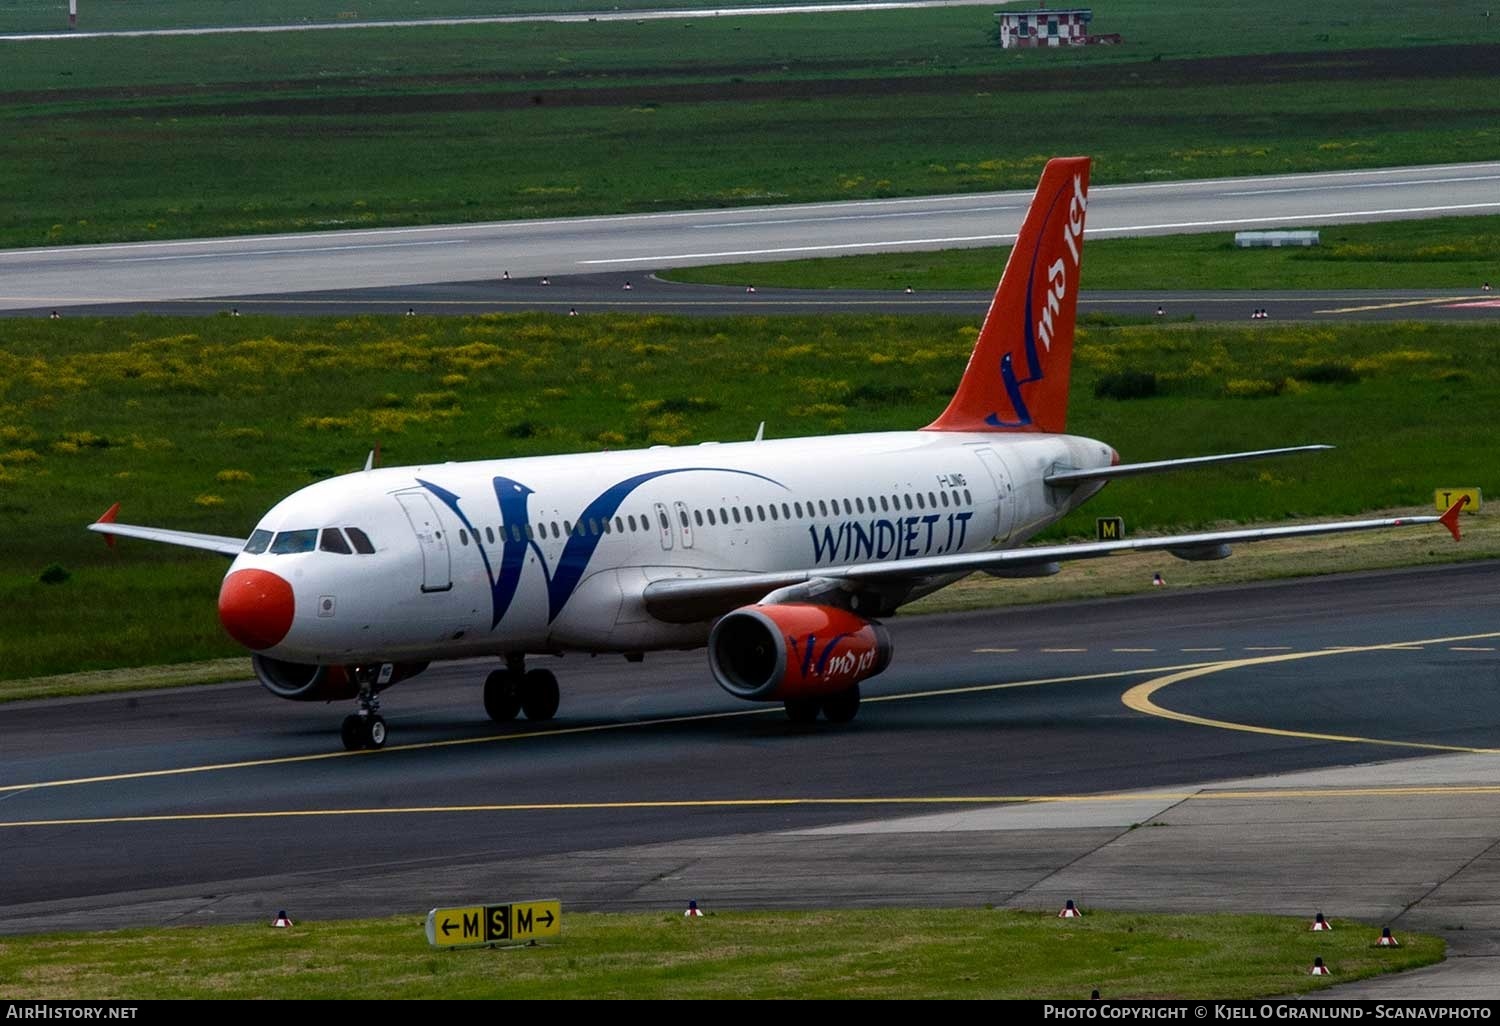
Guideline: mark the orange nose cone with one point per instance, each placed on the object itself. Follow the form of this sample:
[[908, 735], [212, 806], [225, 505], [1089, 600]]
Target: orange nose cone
[[255, 607]]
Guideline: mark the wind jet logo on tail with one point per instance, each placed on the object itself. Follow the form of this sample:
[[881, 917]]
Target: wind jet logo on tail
[[516, 537], [1044, 298]]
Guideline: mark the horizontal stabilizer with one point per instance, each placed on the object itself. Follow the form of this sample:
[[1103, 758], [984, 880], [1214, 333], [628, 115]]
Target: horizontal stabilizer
[[1070, 477]]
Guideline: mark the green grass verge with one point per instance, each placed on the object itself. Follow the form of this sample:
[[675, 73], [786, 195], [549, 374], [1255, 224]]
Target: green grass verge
[[1451, 252], [204, 423], [911, 954], [162, 138]]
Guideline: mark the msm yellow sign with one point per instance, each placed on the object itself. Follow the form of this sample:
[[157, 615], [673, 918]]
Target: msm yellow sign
[[1109, 528], [1443, 498], [478, 925]]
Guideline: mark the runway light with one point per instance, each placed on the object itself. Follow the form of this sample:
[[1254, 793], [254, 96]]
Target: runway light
[[1319, 969], [283, 921], [693, 911], [1319, 923], [1386, 940], [1070, 911]]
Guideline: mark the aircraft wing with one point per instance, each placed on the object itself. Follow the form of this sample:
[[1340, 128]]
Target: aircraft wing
[[689, 600], [1067, 477], [106, 526]]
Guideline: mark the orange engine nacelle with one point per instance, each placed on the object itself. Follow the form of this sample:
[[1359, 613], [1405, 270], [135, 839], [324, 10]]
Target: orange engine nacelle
[[793, 651], [306, 682]]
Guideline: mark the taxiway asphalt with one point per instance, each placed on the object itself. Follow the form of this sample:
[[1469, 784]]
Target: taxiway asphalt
[[1317, 745]]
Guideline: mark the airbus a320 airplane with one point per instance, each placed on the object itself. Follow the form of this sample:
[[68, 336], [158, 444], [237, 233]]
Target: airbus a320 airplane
[[780, 555]]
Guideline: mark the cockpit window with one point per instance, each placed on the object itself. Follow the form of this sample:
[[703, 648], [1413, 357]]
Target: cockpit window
[[333, 541], [294, 541], [258, 542], [360, 540]]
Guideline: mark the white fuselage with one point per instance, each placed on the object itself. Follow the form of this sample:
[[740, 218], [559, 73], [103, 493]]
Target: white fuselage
[[553, 553]]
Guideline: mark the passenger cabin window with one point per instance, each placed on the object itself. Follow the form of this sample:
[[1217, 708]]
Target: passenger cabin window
[[333, 541], [289, 542], [968, 498], [463, 537], [698, 517], [619, 525], [259, 542], [489, 534], [360, 540]]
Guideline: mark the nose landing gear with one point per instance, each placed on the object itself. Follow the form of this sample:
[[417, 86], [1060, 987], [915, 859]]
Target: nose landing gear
[[516, 690], [365, 728]]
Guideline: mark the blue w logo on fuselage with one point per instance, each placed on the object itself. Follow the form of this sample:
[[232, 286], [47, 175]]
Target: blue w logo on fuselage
[[516, 536]]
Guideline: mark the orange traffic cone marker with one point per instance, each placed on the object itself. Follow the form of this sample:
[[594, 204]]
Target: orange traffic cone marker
[[1319, 969], [1386, 940], [282, 920], [1319, 923]]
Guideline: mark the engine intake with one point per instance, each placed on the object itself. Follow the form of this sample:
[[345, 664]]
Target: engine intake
[[796, 650], [306, 682]]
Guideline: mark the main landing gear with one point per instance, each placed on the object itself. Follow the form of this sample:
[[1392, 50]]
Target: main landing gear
[[365, 728], [836, 708], [516, 690]]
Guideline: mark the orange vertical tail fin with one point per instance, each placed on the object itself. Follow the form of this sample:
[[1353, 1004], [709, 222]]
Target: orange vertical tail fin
[[1017, 377]]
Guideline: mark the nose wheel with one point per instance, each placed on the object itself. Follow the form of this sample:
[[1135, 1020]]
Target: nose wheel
[[365, 728], [363, 731]]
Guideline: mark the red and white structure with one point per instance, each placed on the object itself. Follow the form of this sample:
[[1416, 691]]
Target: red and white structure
[[1042, 27]]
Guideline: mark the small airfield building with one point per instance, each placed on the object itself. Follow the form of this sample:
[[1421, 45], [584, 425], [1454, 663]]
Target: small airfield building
[[1042, 27]]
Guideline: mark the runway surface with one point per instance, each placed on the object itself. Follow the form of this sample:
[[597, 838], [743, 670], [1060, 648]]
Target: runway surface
[[513, 19], [295, 265], [218, 803]]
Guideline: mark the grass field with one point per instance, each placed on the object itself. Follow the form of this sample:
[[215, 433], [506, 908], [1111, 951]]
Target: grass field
[[202, 424], [1453, 252], [912, 954], [162, 138]]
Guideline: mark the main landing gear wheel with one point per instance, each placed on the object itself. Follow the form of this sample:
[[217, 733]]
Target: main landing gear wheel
[[840, 708], [502, 695], [802, 710], [363, 731], [539, 695]]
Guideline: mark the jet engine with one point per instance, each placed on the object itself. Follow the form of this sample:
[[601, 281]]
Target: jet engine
[[306, 682], [795, 651]]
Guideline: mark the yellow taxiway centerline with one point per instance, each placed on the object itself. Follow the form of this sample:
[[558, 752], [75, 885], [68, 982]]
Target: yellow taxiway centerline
[[595, 728], [1267, 794], [1140, 697]]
